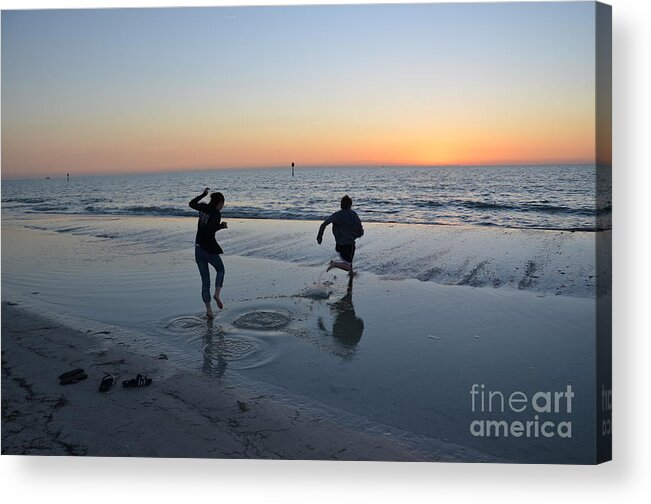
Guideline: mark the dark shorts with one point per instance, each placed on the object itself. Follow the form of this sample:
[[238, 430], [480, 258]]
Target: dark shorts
[[347, 252]]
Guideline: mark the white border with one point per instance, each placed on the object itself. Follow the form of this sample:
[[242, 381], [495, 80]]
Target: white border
[[25, 479]]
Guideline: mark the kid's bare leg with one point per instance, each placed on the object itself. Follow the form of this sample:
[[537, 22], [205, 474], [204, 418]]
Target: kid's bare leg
[[341, 265]]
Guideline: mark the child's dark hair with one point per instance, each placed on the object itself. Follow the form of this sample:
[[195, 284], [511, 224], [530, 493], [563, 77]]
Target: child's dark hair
[[216, 198], [346, 202]]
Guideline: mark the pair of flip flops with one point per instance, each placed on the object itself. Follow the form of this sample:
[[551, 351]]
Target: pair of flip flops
[[73, 376], [77, 375], [138, 381]]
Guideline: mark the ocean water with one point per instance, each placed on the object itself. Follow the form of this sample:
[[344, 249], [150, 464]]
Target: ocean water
[[503, 294], [555, 197]]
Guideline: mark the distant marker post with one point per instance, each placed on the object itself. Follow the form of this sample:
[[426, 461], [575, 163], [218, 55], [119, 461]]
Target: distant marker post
[[292, 169]]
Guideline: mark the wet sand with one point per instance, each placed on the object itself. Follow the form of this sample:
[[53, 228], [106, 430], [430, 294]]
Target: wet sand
[[180, 415], [382, 372]]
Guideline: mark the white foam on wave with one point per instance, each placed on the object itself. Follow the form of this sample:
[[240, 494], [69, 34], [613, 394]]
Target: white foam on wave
[[550, 262]]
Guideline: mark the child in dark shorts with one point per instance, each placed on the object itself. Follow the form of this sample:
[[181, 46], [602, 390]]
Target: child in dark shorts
[[346, 228]]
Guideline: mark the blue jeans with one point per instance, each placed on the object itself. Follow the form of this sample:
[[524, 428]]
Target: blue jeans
[[203, 259]]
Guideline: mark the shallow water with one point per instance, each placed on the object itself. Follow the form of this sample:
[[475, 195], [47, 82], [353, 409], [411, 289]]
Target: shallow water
[[384, 355], [548, 262]]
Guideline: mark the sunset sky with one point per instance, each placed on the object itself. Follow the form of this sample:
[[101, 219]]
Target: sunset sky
[[136, 90]]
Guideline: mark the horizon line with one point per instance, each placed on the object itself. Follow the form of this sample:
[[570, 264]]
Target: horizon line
[[306, 166]]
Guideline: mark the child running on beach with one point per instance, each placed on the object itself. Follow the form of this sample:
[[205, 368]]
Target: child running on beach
[[346, 227], [206, 248]]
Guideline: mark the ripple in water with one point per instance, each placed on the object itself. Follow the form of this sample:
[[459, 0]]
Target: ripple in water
[[263, 320], [187, 322], [221, 349], [241, 351]]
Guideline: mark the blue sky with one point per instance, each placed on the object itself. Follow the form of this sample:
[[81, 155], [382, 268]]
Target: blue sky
[[146, 88]]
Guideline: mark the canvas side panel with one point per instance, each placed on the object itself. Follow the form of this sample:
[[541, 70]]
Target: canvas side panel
[[603, 131]]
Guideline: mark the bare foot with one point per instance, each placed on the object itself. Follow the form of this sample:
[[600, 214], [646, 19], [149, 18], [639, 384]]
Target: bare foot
[[209, 315], [341, 265], [220, 305]]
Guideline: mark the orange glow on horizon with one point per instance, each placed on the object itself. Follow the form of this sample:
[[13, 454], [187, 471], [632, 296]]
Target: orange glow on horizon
[[480, 133]]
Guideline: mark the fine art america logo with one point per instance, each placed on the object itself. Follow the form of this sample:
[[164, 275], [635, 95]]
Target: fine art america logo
[[533, 409]]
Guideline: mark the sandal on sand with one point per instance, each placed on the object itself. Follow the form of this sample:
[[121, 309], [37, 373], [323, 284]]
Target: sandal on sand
[[70, 379], [68, 374], [138, 381], [107, 383]]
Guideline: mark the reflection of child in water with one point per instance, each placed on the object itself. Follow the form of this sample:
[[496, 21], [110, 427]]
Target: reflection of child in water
[[347, 327], [346, 227]]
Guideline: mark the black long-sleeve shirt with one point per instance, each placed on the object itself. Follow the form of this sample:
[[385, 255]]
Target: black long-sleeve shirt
[[346, 226], [210, 221]]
